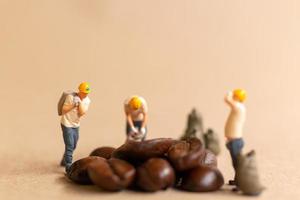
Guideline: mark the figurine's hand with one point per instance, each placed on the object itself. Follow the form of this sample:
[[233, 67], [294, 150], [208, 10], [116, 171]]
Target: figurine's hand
[[141, 134], [137, 135], [143, 131], [76, 101], [133, 131], [228, 96]]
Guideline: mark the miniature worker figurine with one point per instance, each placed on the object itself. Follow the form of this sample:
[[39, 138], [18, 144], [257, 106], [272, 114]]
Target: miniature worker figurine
[[136, 110], [234, 125], [74, 107]]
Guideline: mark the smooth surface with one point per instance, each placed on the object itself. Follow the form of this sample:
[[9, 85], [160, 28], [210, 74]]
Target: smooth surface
[[177, 54]]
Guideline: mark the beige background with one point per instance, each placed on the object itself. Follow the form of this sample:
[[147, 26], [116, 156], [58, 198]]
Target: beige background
[[177, 54]]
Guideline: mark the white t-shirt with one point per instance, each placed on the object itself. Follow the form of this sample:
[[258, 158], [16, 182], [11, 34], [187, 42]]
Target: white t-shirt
[[137, 115], [71, 118]]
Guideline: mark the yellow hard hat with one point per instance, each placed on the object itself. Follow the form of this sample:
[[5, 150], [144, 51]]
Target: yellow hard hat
[[240, 95], [84, 88], [135, 102]]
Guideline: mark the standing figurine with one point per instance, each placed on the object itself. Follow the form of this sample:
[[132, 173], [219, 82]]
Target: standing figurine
[[194, 125], [72, 106], [136, 111], [234, 125]]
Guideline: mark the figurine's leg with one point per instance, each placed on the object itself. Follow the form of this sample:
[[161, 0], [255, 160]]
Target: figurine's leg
[[238, 149], [128, 131], [231, 147], [62, 162], [138, 124], [76, 136], [68, 134], [234, 146]]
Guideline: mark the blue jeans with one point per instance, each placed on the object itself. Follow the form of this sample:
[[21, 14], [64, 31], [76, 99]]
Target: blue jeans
[[235, 146], [71, 136]]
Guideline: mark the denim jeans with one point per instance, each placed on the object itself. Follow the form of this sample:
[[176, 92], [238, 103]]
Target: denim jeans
[[235, 146], [70, 136], [135, 124]]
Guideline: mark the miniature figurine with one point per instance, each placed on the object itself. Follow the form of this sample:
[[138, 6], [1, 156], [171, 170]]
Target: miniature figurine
[[194, 125], [247, 177], [136, 111], [74, 106], [234, 125], [211, 141]]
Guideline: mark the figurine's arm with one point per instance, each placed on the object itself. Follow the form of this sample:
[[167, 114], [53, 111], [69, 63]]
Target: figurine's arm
[[145, 120], [145, 113], [129, 120], [67, 108], [229, 99], [68, 104], [128, 117], [81, 110]]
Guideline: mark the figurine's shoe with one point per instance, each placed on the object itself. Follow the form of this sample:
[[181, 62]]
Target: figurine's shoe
[[236, 189], [67, 169], [231, 182]]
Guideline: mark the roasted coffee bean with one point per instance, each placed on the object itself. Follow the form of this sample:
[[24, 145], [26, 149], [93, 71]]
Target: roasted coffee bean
[[112, 174], [78, 171], [202, 179], [195, 166], [134, 151], [104, 152], [187, 154], [155, 174], [209, 159]]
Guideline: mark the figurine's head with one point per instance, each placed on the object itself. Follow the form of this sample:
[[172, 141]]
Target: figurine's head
[[135, 103], [84, 89], [239, 95]]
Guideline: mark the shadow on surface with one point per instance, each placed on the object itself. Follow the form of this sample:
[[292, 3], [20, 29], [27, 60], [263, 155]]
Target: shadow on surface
[[70, 186]]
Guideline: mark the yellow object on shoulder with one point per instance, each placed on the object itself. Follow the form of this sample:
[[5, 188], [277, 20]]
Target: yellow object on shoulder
[[239, 95], [84, 88]]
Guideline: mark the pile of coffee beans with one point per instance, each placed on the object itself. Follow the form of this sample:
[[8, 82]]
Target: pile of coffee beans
[[150, 165]]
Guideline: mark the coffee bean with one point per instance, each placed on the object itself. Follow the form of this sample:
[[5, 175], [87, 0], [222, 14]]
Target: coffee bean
[[136, 152], [187, 154], [202, 179], [112, 174], [112, 169], [78, 170], [155, 174], [104, 152]]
